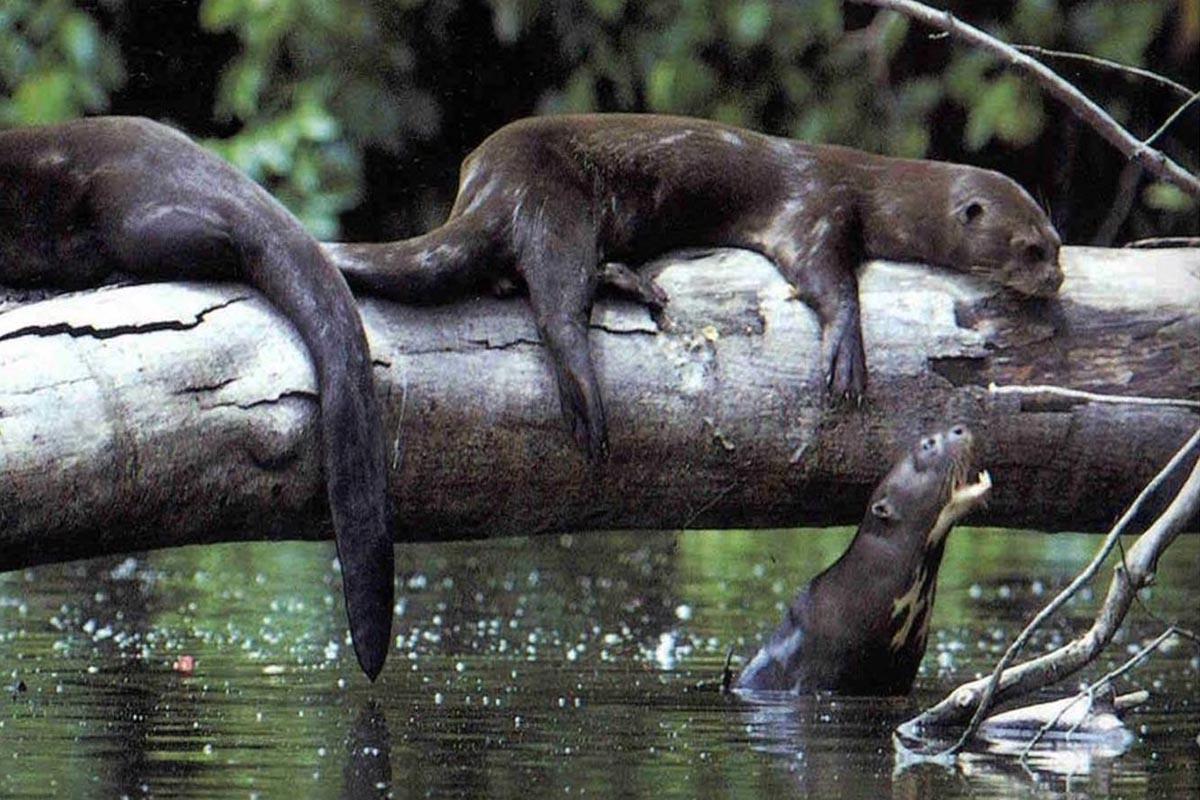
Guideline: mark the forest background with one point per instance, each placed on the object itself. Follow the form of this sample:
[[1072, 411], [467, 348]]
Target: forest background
[[356, 113]]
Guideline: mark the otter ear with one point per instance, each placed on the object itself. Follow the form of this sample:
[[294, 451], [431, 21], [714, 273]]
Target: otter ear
[[970, 211], [882, 508]]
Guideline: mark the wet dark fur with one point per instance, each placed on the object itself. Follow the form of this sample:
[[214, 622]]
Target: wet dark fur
[[86, 198], [549, 199], [838, 633]]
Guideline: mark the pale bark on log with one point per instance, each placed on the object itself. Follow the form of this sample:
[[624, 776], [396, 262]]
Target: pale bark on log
[[158, 415]]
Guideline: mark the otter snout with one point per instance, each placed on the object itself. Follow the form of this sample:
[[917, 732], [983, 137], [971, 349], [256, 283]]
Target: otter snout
[[1033, 268], [953, 445], [960, 447]]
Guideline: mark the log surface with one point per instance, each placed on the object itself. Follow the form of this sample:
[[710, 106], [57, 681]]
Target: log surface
[[135, 417]]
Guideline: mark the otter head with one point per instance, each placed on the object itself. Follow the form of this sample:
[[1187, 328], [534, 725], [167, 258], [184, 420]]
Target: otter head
[[910, 514], [928, 489], [999, 233]]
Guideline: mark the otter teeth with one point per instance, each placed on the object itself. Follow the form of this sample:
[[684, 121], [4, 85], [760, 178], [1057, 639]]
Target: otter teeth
[[974, 492]]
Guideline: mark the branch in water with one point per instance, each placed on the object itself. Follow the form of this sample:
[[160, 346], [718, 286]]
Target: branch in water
[[975, 698], [1091, 690]]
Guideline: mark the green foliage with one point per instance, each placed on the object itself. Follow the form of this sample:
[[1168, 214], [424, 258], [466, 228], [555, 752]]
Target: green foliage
[[315, 82], [1168, 197], [1118, 31], [301, 155], [55, 63], [309, 97]]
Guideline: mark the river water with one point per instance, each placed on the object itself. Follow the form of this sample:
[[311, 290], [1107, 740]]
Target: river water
[[541, 667]]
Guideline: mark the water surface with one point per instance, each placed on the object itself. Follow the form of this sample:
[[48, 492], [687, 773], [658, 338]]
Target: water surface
[[550, 666]]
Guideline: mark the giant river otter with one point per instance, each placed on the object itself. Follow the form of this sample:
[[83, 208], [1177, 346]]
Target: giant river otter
[[860, 627], [549, 200]]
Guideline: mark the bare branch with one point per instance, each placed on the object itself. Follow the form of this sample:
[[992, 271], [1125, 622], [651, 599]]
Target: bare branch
[[976, 697], [1091, 690], [1116, 66], [1086, 109], [1043, 390], [1171, 119], [1120, 206]]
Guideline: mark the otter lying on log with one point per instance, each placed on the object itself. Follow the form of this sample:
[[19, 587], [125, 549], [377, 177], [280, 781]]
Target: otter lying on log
[[860, 627], [547, 201], [81, 200]]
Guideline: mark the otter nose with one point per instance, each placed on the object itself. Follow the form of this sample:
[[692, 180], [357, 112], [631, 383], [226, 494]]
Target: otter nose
[[1052, 237], [1051, 282]]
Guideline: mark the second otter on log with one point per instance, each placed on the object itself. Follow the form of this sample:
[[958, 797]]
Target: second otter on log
[[860, 627], [549, 200], [89, 197]]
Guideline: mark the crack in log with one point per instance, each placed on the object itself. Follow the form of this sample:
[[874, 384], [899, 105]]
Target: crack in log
[[45, 387], [289, 394], [208, 387], [81, 331], [488, 344], [599, 326], [1153, 328], [509, 344], [302, 394]]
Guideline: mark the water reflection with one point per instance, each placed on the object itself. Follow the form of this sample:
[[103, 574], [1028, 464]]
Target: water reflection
[[827, 743], [368, 770], [554, 666]]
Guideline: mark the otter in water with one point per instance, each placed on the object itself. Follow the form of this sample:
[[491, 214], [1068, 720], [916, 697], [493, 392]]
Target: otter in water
[[860, 627], [86, 198], [551, 201]]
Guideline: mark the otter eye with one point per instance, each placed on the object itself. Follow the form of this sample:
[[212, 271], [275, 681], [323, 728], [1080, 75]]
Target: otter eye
[[958, 430], [1035, 253], [972, 211]]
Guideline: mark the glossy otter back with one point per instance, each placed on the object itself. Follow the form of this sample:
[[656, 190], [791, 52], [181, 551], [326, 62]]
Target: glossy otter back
[[861, 626], [546, 201]]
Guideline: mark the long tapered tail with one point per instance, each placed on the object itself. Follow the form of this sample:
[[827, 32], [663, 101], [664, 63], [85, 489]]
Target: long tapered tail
[[301, 282], [445, 263]]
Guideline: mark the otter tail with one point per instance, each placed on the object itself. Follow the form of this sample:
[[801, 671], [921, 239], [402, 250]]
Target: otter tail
[[445, 263], [287, 265]]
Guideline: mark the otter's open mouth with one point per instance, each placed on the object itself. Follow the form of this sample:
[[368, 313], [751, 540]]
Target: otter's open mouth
[[964, 498], [967, 495]]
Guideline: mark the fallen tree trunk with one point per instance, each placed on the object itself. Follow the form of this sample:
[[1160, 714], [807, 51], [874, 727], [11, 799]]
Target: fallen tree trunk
[[159, 415]]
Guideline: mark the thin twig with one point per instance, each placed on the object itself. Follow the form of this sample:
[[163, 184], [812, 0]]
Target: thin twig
[[1178, 88], [707, 505], [1164, 241], [1092, 397], [1090, 691], [1171, 119], [1083, 577], [1120, 206], [1185, 633], [1086, 109]]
